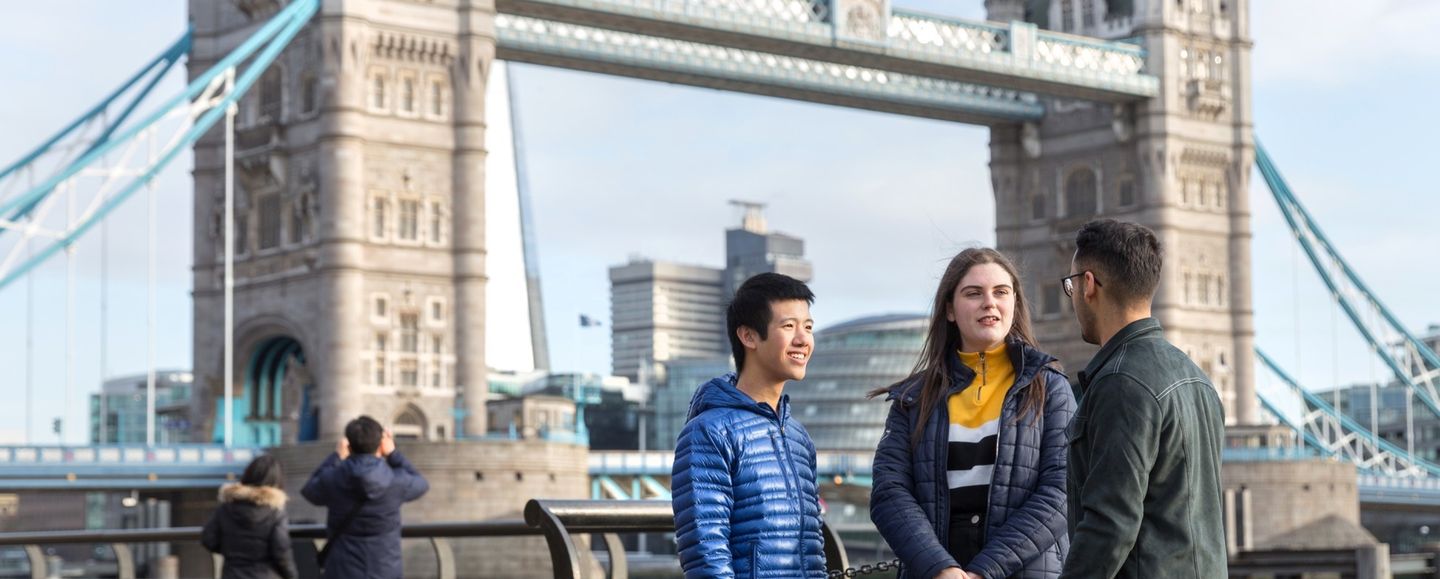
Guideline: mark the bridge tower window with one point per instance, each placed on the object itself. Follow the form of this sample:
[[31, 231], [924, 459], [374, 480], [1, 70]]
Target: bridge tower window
[[377, 92], [1080, 193]]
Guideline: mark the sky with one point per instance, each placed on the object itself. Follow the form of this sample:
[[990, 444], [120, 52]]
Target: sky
[[621, 167]]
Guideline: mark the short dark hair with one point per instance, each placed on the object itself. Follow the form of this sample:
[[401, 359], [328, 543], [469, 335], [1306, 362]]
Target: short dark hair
[[364, 434], [1126, 256], [264, 471], [751, 307]]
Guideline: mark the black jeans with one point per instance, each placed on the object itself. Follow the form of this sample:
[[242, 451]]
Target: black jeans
[[967, 536]]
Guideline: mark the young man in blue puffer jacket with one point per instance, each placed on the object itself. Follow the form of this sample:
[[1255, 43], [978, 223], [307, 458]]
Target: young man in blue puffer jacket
[[745, 497]]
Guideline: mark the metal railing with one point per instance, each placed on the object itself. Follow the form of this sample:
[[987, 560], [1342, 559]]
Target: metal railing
[[660, 462], [557, 520], [126, 454], [120, 541]]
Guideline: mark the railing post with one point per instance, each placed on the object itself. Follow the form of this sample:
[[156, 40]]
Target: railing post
[[444, 557], [835, 557], [38, 566], [124, 560], [564, 558], [1022, 43], [619, 567]]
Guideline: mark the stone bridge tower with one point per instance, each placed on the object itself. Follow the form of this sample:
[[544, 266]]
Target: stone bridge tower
[[1179, 163]]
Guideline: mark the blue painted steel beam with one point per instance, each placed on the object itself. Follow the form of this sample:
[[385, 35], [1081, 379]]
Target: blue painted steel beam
[[613, 488], [1294, 213], [168, 57], [1370, 495], [655, 487], [1350, 425], [277, 401], [93, 470], [273, 37], [111, 484]]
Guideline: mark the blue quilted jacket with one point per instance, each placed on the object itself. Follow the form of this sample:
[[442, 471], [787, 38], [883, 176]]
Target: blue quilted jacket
[[744, 491], [1026, 534]]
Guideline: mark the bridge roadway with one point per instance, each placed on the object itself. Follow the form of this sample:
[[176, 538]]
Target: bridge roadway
[[907, 63], [854, 468], [198, 466]]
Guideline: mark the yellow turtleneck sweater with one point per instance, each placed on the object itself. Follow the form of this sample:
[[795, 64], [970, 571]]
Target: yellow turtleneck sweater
[[974, 424]]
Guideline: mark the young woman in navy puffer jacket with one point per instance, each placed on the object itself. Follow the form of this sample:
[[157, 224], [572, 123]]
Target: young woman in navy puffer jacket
[[969, 477]]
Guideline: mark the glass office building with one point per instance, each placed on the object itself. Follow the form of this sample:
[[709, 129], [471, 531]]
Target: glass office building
[[118, 411], [850, 359]]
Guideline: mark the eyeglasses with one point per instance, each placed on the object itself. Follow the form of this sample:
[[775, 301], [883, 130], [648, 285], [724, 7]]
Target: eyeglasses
[[1069, 285]]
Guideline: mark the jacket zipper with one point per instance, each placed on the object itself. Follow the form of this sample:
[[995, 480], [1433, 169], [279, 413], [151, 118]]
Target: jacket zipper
[[999, 435], [984, 376], [792, 483]]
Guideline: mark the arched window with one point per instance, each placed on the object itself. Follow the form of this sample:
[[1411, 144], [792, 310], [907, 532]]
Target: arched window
[[1080, 198], [410, 424]]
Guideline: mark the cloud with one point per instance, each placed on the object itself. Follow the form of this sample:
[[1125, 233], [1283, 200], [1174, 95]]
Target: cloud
[[879, 199], [12, 436], [1329, 43]]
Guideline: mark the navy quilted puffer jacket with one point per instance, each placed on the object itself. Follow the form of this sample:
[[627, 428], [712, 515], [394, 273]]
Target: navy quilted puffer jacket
[[744, 491], [1026, 534]]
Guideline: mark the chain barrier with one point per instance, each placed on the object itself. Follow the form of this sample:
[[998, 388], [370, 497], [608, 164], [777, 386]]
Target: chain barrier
[[867, 569]]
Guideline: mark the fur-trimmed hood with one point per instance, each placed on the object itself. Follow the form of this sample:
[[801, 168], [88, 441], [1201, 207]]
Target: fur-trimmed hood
[[262, 496]]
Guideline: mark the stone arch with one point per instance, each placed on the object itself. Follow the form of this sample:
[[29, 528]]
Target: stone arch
[[274, 391], [410, 424]]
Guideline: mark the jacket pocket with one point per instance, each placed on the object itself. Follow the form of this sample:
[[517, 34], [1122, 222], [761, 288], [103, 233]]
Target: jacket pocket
[[754, 549]]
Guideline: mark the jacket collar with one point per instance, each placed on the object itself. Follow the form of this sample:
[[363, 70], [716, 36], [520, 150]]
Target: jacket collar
[[260, 495], [1027, 361], [724, 392], [1133, 331]]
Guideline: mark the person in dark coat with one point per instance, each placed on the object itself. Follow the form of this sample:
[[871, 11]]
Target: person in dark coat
[[969, 476], [1146, 497], [250, 528], [365, 472]]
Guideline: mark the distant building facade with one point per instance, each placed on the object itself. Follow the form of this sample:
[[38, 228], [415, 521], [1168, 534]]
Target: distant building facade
[[852, 358], [662, 311], [118, 411]]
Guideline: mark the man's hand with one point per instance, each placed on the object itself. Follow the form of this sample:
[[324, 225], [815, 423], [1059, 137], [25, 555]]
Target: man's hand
[[342, 448], [969, 575], [387, 443], [953, 573]]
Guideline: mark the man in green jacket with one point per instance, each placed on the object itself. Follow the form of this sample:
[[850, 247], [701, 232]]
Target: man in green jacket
[[1144, 478]]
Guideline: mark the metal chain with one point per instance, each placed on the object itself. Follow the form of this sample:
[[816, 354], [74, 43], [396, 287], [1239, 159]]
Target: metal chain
[[866, 569]]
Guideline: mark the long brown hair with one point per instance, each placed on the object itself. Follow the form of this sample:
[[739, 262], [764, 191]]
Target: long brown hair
[[943, 338]]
